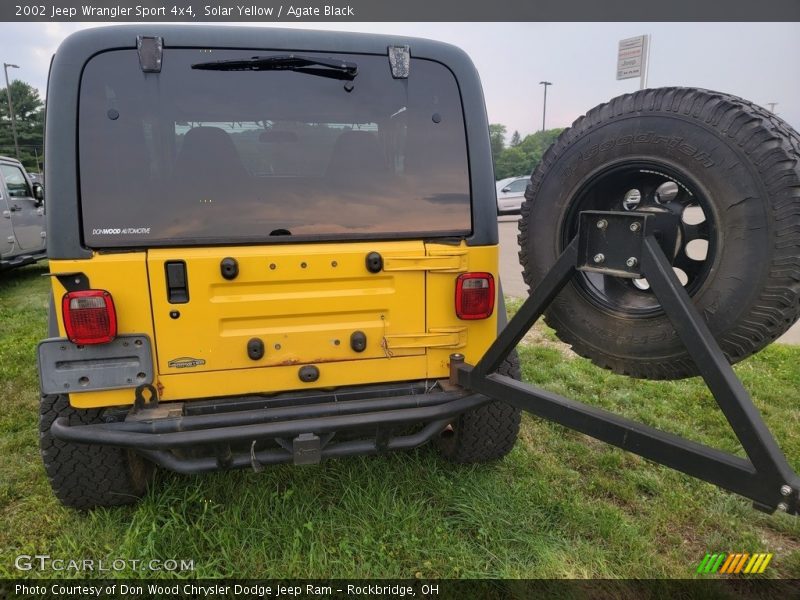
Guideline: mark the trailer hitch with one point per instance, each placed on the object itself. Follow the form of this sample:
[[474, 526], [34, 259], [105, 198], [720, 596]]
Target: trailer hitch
[[626, 246]]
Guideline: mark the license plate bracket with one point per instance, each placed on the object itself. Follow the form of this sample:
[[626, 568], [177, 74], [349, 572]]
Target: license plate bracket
[[64, 367]]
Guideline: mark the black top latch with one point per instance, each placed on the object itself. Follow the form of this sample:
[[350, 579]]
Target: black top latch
[[400, 61], [150, 50]]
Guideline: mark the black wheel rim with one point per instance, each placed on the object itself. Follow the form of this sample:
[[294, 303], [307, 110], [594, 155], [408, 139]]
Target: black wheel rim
[[684, 225]]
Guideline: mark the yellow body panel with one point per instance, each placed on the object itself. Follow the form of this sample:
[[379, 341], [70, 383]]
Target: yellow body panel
[[300, 300], [125, 277]]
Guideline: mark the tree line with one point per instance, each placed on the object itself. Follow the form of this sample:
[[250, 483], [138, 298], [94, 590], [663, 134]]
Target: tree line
[[29, 113], [521, 155]]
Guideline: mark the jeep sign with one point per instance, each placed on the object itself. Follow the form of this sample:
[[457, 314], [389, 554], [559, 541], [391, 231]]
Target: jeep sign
[[632, 57]]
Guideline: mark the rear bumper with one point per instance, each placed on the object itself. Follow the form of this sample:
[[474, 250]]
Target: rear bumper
[[302, 429]]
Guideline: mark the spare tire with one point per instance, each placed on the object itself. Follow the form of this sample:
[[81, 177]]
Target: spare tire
[[724, 173]]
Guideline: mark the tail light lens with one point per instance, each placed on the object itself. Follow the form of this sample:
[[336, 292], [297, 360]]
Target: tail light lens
[[474, 296], [89, 317]]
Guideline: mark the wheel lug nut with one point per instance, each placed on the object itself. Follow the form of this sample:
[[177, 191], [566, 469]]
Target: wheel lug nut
[[635, 226], [602, 224], [598, 258], [632, 262]]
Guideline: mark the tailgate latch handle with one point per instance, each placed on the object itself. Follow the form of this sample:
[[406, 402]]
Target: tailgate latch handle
[[177, 282]]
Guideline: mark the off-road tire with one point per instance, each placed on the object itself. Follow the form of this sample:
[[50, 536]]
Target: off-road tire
[[487, 433], [82, 476], [748, 162]]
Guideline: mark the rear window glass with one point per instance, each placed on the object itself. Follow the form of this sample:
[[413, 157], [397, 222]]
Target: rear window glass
[[195, 156]]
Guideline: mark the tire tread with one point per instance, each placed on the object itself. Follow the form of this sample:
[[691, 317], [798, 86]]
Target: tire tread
[[84, 476], [489, 432]]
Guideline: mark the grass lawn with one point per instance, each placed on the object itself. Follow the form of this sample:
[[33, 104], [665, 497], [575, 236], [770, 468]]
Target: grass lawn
[[560, 505]]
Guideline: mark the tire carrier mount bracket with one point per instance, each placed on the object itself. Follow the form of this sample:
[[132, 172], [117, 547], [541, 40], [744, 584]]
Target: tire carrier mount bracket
[[618, 243]]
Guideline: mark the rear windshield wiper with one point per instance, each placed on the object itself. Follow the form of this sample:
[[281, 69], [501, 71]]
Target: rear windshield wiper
[[324, 67]]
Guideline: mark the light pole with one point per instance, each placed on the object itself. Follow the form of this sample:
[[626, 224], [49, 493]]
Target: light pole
[[544, 106], [11, 107], [772, 106]]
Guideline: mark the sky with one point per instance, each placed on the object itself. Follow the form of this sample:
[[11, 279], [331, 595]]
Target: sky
[[758, 61]]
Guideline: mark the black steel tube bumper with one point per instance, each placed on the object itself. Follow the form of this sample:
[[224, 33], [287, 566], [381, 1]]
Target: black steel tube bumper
[[245, 426], [192, 466]]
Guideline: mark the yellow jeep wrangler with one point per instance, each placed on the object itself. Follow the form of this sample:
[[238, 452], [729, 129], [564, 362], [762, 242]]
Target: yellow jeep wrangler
[[266, 248], [281, 246]]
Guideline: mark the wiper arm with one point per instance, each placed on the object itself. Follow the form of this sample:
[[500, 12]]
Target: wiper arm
[[336, 69]]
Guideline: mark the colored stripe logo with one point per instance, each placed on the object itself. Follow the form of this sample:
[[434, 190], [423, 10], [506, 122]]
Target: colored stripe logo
[[734, 564]]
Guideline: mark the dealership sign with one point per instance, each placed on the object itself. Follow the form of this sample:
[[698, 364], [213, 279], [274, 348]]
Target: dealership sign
[[632, 57]]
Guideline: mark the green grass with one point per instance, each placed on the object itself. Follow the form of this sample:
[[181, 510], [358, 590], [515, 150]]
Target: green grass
[[560, 505]]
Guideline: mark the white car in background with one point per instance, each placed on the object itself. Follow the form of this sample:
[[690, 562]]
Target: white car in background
[[511, 194]]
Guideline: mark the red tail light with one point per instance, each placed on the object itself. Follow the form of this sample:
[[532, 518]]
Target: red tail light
[[89, 317], [474, 295]]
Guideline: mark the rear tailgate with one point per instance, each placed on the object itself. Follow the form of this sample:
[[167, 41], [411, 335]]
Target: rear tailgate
[[302, 302]]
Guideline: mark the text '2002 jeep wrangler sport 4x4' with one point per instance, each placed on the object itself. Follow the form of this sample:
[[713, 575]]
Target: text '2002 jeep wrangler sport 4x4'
[[281, 246]]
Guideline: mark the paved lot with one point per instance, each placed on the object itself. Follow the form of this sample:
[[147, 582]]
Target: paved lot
[[511, 273]]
